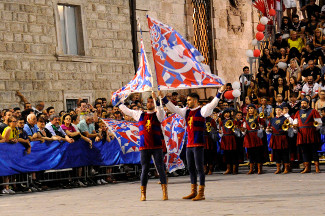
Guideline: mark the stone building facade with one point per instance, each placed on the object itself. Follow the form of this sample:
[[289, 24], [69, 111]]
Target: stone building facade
[[47, 61]]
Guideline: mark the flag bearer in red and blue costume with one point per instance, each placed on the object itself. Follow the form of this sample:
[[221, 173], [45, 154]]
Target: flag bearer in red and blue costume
[[194, 116], [279, 141], [228, 142], [307, 138], [252, 142], [150, 141]]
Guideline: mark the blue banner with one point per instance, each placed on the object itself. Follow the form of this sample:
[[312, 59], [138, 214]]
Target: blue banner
[[56, 155]]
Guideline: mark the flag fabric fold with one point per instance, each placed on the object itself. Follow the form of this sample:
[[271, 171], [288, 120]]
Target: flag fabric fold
[[178, 63], [141, 82], [174, 130]]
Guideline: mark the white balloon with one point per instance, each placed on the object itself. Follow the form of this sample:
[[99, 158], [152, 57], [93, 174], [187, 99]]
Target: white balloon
[[236, 85], [282, 65], [254, 42], [264, 20], [236, 93], [249, 53]]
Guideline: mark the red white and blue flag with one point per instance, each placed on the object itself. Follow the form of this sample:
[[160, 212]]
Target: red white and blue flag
[[126, 133], [141, 82], [173, 127], [174, 130], [177, 62]]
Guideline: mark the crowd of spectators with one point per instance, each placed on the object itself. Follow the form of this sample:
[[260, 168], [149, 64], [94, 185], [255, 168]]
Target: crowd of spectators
[[292, 66]]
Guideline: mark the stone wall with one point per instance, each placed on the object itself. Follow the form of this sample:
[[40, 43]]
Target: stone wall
[[31, 63]]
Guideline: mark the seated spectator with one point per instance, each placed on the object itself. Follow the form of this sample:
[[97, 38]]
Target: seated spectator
[[293, 71], [267, 59], [71, 131], [252, 92], [311, 27], [262, 79], [279, 42], [55, 130], [298, 25], [294, 87], [282, 89], [321, 83], [318, 38], [320, 103], [310, 89], [295, 41], [244, 108], [294, 54], [321, 54], [278, 102], [311, 70], [87, 127], [245, 78], [4, 124], [294, 104], [286, 26], [310, 54], [31, 128], [312, 9]]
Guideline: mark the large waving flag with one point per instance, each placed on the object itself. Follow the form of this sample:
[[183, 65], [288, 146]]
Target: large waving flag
[[141, 82], [177, 62], [174, 130]]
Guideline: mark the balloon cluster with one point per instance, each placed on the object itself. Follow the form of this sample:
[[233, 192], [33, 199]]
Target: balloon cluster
[[233, 93], [259, 35]]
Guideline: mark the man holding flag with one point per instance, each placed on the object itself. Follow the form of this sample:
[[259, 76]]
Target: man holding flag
[[150, 141], [194, 116]]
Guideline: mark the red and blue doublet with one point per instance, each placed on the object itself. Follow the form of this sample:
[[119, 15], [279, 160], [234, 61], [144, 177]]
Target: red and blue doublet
[[306, 130], [228, 140], [251, 139], [278, 138], [195, 128], [150, 131]]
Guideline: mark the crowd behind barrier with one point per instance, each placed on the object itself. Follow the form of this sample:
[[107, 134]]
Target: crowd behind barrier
[[39, 141]]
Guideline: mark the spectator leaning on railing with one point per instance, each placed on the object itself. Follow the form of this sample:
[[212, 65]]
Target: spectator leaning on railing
[[55, 130]]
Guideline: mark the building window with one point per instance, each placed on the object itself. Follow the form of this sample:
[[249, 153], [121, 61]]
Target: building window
[[202, 29], [71, 34]]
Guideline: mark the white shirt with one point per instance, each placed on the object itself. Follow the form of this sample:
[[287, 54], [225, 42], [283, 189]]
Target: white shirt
[[310, 90]]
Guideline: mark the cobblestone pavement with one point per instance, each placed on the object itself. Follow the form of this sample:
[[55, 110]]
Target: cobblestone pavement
[[267, 194]]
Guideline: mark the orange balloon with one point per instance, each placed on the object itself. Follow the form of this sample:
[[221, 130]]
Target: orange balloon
[[228, 95], [257, 53], [272, 12], [259, 36], [260, 27]]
